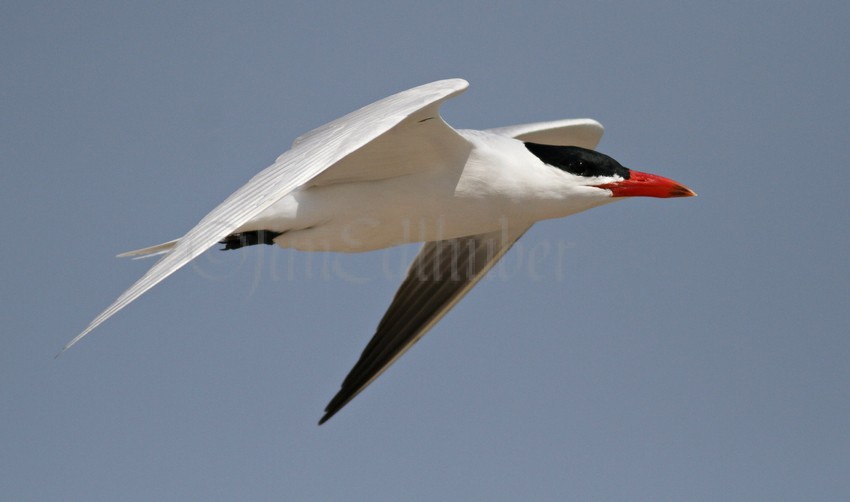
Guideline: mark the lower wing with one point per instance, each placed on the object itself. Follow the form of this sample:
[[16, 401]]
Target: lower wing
[[442, 273]]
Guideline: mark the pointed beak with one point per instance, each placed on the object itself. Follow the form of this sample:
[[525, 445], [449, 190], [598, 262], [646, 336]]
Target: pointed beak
[[647, 185]]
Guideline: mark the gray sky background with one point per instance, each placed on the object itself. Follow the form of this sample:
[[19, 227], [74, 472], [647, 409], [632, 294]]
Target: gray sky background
[[689, 349]]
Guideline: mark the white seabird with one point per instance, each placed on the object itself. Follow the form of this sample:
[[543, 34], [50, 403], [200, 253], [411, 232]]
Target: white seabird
[[361, 182]]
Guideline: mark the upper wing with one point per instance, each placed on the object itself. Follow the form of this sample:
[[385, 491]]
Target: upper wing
[[585, 133], [321, 150], [442, 273], [421, 140]]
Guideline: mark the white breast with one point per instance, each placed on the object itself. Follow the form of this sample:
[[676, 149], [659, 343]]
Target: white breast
[[499, 184]]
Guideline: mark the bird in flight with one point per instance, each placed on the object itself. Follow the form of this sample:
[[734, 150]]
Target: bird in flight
[[394, 172]]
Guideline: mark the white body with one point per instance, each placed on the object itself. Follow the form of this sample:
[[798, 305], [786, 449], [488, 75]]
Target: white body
[[498, 184]]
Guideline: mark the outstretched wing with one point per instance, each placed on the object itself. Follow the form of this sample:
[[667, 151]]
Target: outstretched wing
[[585, 133], [430, 290], [323, 150], [440, 275]]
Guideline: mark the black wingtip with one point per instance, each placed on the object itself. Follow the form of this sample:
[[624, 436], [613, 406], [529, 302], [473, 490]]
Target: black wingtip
[[252, 238], [337, 403], [327, 416]]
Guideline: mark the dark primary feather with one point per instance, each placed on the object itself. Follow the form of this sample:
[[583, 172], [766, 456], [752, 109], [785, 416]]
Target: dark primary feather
[[440, 275]]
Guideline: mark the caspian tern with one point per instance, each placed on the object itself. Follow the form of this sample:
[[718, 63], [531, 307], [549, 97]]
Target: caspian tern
[[363, 181]]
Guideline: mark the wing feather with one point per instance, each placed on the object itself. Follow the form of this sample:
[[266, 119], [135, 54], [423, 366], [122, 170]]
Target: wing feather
[[440, 275], [315, 152], [585, 133]]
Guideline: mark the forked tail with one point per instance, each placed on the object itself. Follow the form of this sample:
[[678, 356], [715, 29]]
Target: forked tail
[[151, 251]]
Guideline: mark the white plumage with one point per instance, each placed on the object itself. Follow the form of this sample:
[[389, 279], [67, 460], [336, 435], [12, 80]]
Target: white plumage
[[394, 172]]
